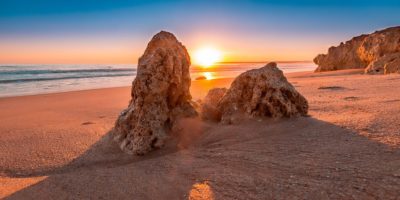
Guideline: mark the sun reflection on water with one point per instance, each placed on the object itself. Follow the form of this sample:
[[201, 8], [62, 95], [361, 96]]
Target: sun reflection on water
[[201, 191], [208, 75]]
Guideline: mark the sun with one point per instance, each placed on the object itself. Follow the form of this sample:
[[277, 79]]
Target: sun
[[207, 56]]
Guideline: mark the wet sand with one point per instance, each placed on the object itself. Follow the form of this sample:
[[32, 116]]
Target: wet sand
[[56, 146]]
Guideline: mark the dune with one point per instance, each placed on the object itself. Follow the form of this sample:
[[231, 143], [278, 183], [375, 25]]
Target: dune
[[57, 146]]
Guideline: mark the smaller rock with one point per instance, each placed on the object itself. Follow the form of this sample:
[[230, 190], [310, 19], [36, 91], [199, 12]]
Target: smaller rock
[[209, 108], [263, 92], [201, 78]]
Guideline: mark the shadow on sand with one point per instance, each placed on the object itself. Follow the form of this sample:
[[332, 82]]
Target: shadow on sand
[[290, 158]]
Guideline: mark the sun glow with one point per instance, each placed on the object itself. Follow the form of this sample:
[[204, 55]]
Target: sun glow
[[208, 75], [206, 57]]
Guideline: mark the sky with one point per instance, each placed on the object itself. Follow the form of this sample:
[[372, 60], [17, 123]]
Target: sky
[[117, 31]]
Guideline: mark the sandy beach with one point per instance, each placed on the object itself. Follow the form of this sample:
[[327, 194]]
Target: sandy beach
[[56, 146]]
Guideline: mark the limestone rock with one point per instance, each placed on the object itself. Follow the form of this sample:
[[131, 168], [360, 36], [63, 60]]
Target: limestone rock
[[209, 108], [370, 51], [160, 96], [263, 92], [392, 67], [342, 57], [379, 65], [201, 78]]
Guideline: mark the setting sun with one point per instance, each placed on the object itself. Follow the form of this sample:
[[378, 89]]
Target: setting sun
[[207, 56]]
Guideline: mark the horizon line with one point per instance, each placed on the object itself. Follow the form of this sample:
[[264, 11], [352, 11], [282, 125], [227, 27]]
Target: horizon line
[[223, 62]]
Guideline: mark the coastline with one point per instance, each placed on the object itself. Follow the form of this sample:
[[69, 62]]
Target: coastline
[[24, 80], [208, 84]]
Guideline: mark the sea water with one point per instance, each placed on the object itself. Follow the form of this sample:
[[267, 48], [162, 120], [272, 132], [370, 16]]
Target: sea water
[[19, 80]]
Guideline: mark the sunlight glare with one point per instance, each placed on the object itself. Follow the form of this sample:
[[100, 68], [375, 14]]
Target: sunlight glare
[[201, 191], [206, 57], [208, 75]]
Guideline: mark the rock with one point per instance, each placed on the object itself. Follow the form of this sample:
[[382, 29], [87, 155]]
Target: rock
[[342, 57], [209, 108], [392, 67], [372, 51], [263, 92], [160, 96], [201, 78], [379, 65]]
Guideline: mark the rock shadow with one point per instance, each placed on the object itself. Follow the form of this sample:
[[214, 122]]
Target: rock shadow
[[301, 157], [331, 88]]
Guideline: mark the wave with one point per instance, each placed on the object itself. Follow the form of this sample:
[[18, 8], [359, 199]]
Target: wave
[[47, 71], [61, 78], [36, 73]]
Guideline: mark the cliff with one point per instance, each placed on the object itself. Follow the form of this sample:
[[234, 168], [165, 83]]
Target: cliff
[[377, 53]]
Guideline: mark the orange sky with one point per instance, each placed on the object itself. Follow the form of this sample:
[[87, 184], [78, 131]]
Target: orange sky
[[108, 32], [127, 50]]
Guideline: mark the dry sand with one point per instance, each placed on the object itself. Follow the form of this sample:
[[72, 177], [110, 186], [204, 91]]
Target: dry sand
[[56, 146]]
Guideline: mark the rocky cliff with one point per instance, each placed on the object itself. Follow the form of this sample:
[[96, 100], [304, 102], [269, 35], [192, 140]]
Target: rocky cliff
[[377, 53]]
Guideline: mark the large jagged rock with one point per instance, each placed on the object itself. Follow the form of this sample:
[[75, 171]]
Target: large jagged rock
[[160, 96], [371, 51], [263, 92]]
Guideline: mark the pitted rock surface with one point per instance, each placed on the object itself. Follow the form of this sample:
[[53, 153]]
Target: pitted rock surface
[[371, 52], [263, 92], [160, 96], [209, 108]]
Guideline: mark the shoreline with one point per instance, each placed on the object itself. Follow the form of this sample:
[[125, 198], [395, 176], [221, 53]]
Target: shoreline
[[67, 91], [60, 78], [100, 89]]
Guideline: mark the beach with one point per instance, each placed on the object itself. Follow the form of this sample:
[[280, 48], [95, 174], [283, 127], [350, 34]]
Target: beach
[[56, 146]]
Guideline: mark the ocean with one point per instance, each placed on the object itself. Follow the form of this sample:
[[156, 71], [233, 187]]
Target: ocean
[[20, 80]]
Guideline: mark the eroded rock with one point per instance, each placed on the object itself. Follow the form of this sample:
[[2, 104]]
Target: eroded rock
[[160, 96], [344, 56], [392, 67], [263, 92], [370, 52], [209, 107], [389, 63], [201, 78]]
